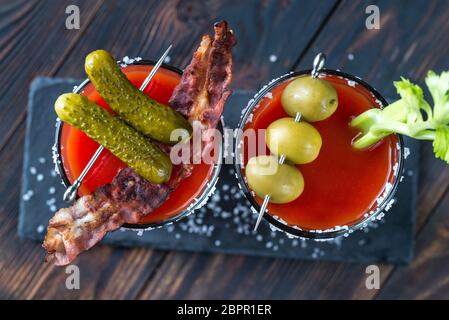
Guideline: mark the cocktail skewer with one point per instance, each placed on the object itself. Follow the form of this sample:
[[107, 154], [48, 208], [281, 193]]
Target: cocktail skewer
[[72, 191], [318, 64]]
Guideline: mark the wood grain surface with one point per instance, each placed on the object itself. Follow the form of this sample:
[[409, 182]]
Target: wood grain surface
[[34, 41]]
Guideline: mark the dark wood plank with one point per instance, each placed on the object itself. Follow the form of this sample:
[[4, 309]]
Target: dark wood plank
[[184, 22], [401, 47], [205, 276], [33, 40], [427, 277]]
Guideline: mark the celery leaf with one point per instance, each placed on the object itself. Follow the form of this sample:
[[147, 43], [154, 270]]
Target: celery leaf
[[441, 143]]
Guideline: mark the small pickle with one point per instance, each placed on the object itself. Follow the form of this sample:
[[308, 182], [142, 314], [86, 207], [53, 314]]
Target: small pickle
[[265, 176], [123, 141], [146, 115]]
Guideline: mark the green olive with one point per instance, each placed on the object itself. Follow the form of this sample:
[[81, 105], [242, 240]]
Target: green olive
[[300, 142], [265, 176], [315, 99]]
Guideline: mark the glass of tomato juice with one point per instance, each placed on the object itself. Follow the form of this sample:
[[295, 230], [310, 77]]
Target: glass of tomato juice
[[73, 150], [344, 188]]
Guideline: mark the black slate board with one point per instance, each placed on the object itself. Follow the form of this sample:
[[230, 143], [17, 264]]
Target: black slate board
[[225, 223]]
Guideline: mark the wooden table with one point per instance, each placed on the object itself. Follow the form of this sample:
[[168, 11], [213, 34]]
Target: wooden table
[[34, 41]]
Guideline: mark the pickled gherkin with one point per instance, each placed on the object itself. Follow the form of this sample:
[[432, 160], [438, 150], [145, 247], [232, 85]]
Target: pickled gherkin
[[123, 141], [146, 115]]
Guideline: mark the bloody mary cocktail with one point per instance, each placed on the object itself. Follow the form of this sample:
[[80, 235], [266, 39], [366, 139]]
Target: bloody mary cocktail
[[343, 187], [76, 149]]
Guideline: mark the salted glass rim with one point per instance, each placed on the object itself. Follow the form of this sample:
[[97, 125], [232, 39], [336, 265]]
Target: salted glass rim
[[331, 233], [197, 202]]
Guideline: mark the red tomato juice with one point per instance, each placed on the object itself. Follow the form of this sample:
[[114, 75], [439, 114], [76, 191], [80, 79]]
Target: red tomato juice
[[343, 183]]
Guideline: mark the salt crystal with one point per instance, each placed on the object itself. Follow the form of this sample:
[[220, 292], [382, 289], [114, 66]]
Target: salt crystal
[[127, 60], [167, 59], [226, 215], [249, 119], [41, 160], [395, 169], [350, 57], [269, 95], [40, 177], [406, 152], [51, 190], [390, 204], [33, 170], [273, 58], [40, 228], [388, 187], [216, 197], [27, 196]]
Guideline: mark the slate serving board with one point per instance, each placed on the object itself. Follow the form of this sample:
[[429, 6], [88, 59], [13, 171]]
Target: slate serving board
[[225, 223]]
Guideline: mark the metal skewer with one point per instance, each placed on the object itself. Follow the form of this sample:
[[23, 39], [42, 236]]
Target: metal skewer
[[72, 191], [318, 64]]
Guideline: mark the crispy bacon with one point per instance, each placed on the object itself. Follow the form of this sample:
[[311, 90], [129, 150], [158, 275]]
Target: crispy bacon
[[200, 96], [206, 80]]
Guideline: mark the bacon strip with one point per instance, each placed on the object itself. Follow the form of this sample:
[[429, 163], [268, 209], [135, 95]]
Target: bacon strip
[[206, 80], [200, 96]]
